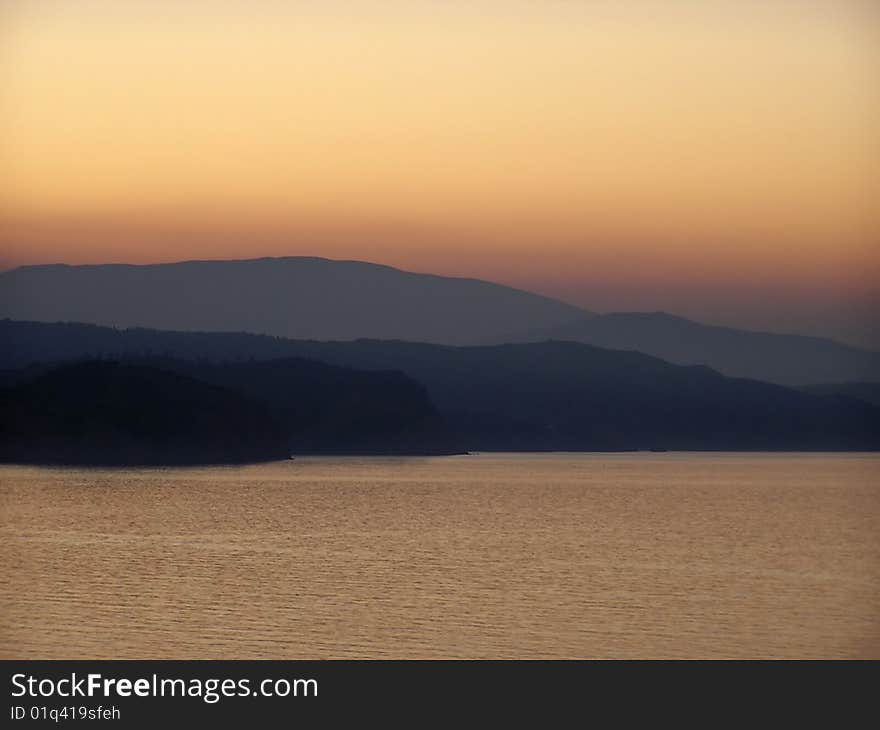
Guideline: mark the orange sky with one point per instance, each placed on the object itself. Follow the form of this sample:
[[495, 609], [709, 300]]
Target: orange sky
[[713, 158]]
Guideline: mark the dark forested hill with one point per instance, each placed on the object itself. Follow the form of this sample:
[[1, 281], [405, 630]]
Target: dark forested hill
[[311, 407], [550, 395], [115, 413], [328, 409]]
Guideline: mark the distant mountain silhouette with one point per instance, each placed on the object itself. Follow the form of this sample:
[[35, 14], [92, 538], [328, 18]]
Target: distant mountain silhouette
[[783, 359], [315, 298], [532, 396], [289, 297], [120, 414]]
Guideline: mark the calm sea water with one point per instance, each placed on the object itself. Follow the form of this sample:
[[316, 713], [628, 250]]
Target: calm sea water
[[629, 555]]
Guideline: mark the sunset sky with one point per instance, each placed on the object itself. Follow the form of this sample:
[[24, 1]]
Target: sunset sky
[[714, 159]]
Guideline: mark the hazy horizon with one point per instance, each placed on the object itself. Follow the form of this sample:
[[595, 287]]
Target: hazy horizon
[[713, 160]]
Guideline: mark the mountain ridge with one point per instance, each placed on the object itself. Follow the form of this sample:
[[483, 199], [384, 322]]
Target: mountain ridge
[[785, 359], [316, 298], [521, 397], [344, 299]]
